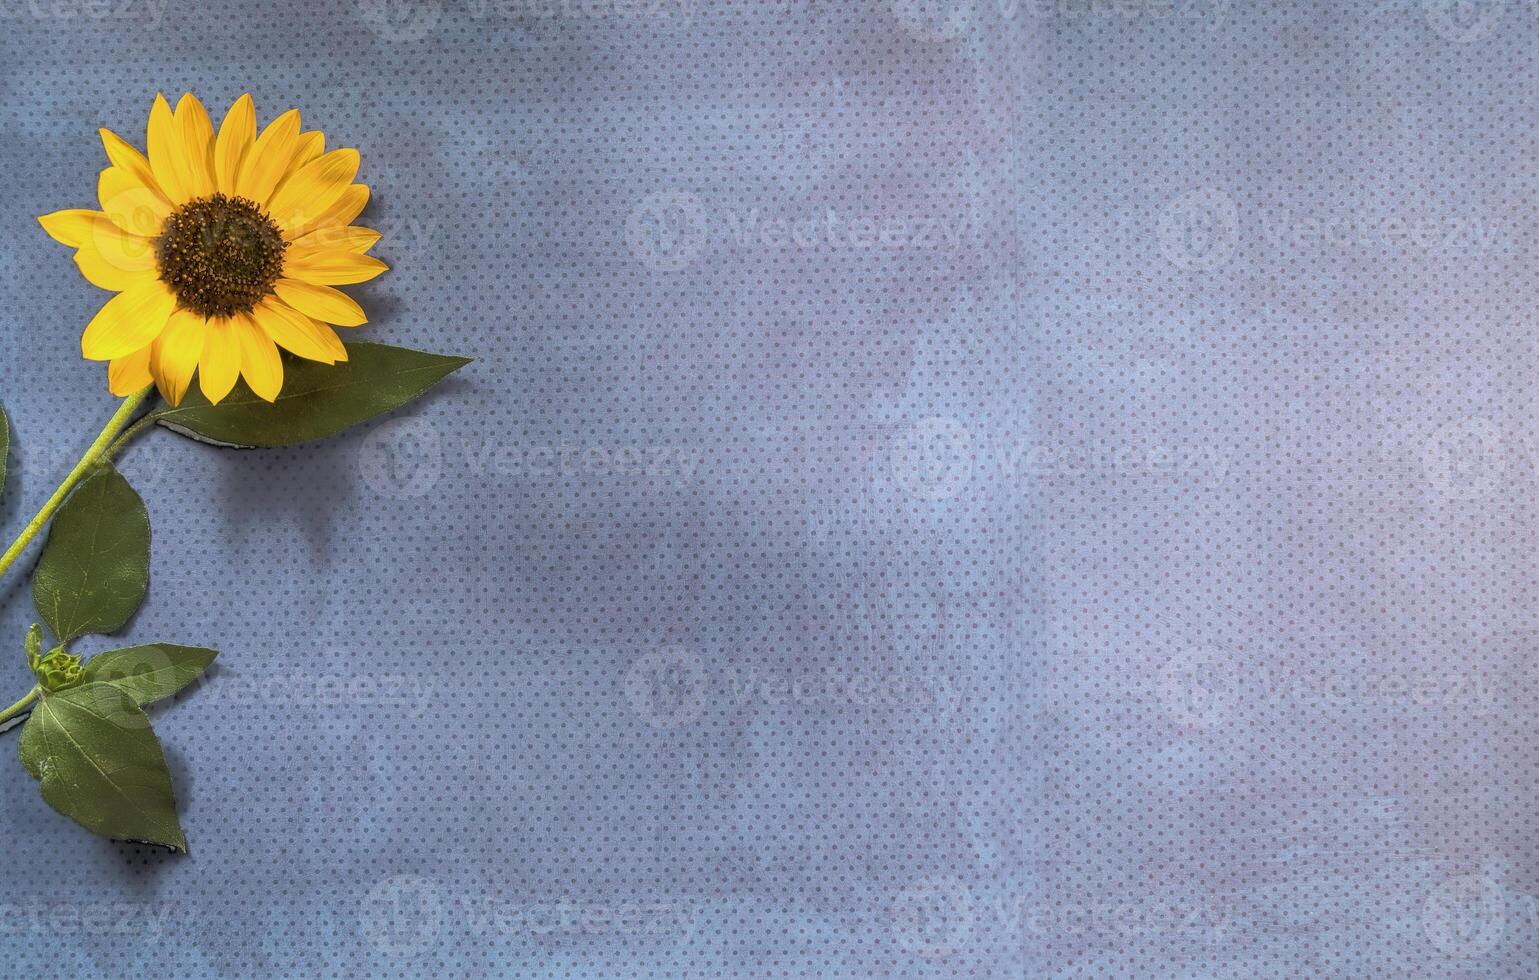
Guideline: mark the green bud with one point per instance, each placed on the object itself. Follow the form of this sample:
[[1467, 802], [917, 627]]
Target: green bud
[[34, 646], [59, 670]]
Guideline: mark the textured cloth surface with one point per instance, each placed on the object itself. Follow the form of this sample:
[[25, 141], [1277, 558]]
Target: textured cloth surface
[[948, 488]]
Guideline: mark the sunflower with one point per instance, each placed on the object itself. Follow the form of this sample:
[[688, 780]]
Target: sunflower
[[221, 250]]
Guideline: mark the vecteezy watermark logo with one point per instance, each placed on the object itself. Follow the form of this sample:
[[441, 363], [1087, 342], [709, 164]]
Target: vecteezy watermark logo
[[495, 458], [832, 231], [407, 916], [409, 694], [667, 688], [1209, 14], [933, 20], [1464, 460], [1465, 915], [410, 242], [933, 918], [62, 921], [933, 459], [1395, 230], [401, 20], [148, 12], [832, 688], [679, 11], [1411, 690], [402, 459], [1135, 920], [408, 458], [402, 916], [667, 230], [1197, 686], [1463, 21], [1199, 231]]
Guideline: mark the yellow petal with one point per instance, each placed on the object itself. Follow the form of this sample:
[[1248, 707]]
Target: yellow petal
[[73, 226], [297, 333], [129, 321], [348, 238], [307, 148], [130, 205], [260, 364], [236, 135], [125, 157], [165, 149], [321, 302], [106, 276], [197, 139], [135, 253], [269, 158], [312, 189], [333, 268], [219, 364], [175, 355], [129, 373], [310, 147], [346, 208], [117, 262]]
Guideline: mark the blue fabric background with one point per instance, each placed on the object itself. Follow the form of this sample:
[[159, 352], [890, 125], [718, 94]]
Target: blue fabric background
[[947, 488]]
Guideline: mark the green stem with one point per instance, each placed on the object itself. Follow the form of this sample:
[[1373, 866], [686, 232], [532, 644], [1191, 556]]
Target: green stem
[[132, 431], [94, 456], [19, 706]]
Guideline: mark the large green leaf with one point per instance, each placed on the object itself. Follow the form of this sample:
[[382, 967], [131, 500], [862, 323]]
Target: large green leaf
[[317, 399], [151, 672], [95, 566], [100, 764], [5, 444]]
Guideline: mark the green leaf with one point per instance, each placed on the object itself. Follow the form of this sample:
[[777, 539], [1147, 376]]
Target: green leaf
[[151, 672], [317, 400], [100, 764], [95, 567], [5, 444]]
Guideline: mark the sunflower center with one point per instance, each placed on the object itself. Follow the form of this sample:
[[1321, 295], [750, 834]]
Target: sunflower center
[[220, 255]]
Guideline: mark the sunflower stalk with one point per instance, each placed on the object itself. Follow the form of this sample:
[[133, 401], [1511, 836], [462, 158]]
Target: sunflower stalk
[[132, 432], [99, 451], [20, 706]]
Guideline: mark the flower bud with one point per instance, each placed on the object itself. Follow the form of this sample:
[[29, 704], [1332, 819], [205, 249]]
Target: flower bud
[[59, 670]]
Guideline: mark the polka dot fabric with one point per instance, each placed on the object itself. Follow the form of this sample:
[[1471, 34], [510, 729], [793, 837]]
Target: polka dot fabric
[[947, 488]]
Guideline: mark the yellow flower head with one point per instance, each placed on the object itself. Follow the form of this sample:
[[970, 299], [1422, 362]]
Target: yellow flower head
[[221, 249]]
